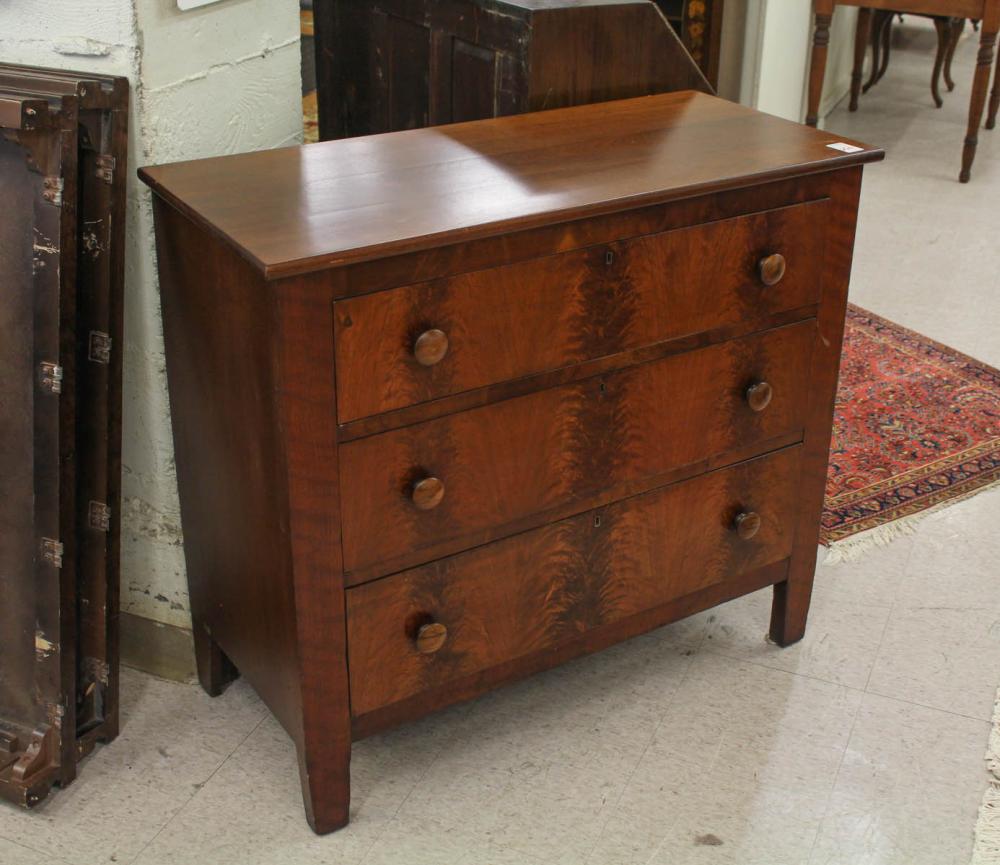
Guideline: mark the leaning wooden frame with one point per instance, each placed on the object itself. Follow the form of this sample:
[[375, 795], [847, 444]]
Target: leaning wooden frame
[[63, 138]]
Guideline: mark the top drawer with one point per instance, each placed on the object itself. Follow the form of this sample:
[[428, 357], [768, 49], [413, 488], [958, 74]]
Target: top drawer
[[408, 345]]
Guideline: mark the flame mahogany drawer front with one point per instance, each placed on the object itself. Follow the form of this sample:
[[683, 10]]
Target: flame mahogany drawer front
[[421, 342], [436, 487], [422, 628], [455, 405]]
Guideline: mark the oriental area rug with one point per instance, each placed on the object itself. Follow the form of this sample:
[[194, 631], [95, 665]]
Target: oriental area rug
[[916, 426]]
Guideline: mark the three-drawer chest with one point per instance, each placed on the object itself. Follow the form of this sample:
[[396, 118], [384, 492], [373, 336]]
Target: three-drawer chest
[[452, 406]]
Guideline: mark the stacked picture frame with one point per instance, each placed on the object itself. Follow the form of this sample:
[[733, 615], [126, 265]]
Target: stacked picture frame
[[63, 144]]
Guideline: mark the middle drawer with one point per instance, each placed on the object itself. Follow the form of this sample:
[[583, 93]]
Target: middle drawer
[[434, 488]]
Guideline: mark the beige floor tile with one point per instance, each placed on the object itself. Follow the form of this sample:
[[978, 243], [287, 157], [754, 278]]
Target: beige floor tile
[[946, 658], [251, 810], [741, 750], [908, 790], [841, 642], [173, 738], [15, 854]]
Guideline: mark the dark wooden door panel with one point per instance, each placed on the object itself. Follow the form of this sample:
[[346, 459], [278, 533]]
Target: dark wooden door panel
[[512, 321], [400, 87], [473, 84], [421, 628], [504, 462]]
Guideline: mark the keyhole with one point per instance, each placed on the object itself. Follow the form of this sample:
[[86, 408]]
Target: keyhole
[[597, 521], [609, 258]]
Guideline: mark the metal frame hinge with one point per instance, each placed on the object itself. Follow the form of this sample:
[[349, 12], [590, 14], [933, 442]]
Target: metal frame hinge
[[106, 167], [52, 551], [100, 347], [99, 516], [51, 375], [52, 190]]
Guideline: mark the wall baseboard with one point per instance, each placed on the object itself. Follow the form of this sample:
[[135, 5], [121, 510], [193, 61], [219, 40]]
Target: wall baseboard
[[153, 647]]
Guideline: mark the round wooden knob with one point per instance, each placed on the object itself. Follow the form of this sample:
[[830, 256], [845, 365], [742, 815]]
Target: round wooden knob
[[771, 268], [431, 637], [427, 493], [759, 395], [747, 524], [430, 347]]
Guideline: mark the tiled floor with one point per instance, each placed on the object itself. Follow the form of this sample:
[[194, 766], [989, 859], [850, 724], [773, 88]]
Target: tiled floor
[[700, 743]]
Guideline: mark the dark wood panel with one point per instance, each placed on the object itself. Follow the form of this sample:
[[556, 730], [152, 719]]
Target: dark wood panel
[[527, 455], [505, 323], [295, 210], [538, 590]]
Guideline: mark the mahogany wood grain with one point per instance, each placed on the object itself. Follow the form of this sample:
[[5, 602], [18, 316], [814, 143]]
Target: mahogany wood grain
[[290, 519], [295, 210], [528, 455], [792, 597], [504, 323], [594, 640], [534, 591]]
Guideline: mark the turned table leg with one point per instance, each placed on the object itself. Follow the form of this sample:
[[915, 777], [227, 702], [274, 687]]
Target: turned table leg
[[817, 68], [861, 37], [977, 102]]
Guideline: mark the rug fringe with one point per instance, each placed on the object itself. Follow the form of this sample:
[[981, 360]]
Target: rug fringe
[[986, 849], [855, 547]]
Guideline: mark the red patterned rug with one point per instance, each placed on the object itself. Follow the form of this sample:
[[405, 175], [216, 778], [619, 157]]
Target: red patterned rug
[[916, 425]]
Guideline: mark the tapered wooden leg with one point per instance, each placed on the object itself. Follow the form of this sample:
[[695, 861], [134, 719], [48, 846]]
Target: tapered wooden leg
[[991, 117], [817, 68], [943, 27], [790, 607], [326, 786], [215, 670], [862, 35], [977, 102]]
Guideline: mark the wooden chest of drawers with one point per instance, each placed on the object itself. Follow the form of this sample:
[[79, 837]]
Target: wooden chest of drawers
[[454, 405]]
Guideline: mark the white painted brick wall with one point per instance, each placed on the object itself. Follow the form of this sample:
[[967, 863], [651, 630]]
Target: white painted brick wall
[[219, 79]]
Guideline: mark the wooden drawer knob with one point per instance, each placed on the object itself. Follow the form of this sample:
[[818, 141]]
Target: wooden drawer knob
[[759, 395], [747, 524], [430, 347], [431, 637], [427, 493], [771, 268]]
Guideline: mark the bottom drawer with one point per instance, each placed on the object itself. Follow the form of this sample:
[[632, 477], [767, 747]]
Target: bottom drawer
[[421, 628]]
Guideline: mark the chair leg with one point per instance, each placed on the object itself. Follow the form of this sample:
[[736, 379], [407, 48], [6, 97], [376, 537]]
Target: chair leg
[[977, 102], [861, 38], [943, 27]]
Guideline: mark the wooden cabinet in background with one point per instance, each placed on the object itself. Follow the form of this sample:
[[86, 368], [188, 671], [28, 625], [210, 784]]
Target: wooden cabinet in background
[[454, 405], [387, 65]]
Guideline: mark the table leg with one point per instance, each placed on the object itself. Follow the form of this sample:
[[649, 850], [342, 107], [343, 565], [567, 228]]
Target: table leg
[[817, 68], [980, 86], [861, 37], [991, 116]]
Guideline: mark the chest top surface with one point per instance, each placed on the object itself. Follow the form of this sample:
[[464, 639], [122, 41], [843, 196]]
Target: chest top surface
[[301, 209]]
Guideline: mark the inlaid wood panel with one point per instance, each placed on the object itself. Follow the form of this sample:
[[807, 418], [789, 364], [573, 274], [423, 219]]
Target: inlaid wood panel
[[507, 322], [523, 456], [538, 590]]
